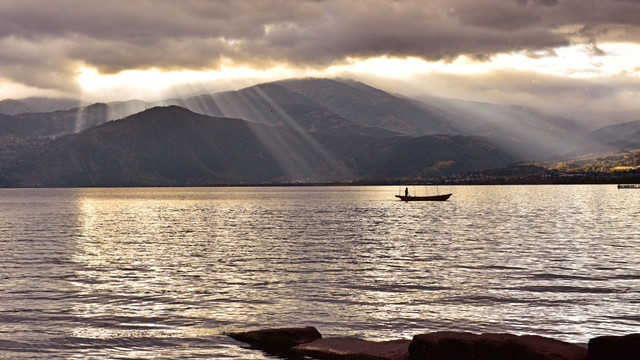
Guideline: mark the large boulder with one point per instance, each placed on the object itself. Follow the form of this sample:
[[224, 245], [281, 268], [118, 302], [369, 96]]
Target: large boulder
[[281, 338], [615, 347], [443, 345], [342, 348], [467, 346]]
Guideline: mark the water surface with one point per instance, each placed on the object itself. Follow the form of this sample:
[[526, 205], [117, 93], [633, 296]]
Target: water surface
[[166, 272]]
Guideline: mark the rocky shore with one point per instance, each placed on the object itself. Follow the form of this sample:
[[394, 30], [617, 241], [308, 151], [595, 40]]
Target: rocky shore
[[445, 345]]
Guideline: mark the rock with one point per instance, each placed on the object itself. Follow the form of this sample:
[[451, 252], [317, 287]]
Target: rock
[[615, 347], [442, 345], [468, 346], [533, 347], [282, 338], [352, 348]]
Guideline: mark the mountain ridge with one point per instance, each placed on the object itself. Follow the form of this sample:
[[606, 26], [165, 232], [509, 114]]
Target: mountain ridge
[[323, 110], [354, 100], [173, 146]]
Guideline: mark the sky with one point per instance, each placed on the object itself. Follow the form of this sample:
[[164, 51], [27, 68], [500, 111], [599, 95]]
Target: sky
[[567, 54]]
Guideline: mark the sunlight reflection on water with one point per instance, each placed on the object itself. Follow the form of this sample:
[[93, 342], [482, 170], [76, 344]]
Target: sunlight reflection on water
[[166, 272]]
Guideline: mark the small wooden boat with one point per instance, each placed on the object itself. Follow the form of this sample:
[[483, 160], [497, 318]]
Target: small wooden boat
[[628, 186], [421, 197], [424, 198]]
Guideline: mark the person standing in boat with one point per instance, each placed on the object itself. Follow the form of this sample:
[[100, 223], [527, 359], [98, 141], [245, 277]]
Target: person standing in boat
[[406, 191]]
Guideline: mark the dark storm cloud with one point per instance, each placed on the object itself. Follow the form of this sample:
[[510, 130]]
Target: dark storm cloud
[[399, 28], [43, 42]]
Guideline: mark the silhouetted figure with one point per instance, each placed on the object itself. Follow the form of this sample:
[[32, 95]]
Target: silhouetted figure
[[406, 191]]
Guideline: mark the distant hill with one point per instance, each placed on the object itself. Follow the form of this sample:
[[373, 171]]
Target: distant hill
[[24, 132], [15, 139], [618, 137], [173, 146], [526, 132], [36, 104], [12, 106], [365, 104], [59, 122]]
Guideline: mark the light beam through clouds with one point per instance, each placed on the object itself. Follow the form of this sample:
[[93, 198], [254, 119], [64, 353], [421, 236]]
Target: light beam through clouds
[[114, 50]]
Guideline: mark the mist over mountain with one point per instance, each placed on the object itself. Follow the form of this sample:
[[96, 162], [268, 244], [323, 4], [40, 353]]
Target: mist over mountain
[[323, 104], [524, 131], [527, 133], [274, 104], [360, 102], [174, 146]]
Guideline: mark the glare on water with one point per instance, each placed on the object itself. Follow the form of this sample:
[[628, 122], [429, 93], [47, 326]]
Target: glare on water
[[157, 272]]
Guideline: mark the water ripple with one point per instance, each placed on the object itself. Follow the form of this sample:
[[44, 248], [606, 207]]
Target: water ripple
[[165, 273]]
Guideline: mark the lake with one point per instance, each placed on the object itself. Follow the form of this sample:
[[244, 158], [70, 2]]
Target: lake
[[166, 272]]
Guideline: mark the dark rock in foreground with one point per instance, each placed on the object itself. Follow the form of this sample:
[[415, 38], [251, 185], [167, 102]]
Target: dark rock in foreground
[[352, 348], [444, 345], [468, 346], [615, 347], [283, 338]]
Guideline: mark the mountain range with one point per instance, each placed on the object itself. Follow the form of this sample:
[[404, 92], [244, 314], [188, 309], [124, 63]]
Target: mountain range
[[173, 146], [303, 130]]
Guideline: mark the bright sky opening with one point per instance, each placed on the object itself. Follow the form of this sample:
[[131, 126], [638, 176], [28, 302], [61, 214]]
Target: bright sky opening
[[579, 61]]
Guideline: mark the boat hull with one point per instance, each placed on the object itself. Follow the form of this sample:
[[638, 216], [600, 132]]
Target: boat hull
[[628, 186], [424, 198]]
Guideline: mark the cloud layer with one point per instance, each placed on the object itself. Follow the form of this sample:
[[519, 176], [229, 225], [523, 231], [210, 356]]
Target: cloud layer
[[45, 42]]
